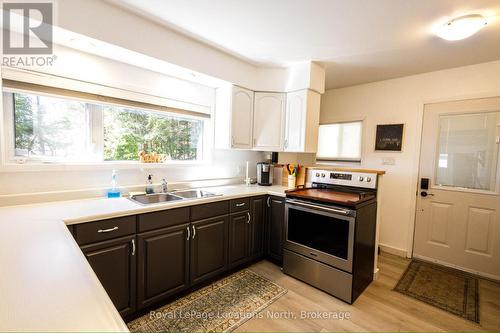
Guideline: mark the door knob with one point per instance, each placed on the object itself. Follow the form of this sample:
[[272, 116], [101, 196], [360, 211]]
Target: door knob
[[424, 194]]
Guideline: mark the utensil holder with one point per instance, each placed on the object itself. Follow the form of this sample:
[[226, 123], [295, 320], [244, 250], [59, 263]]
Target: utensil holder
[[291, 181]]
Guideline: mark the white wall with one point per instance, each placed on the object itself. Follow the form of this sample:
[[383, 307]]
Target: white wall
[[131, 33], [86, 67], [105, 22], [27, 183], [401, 101]]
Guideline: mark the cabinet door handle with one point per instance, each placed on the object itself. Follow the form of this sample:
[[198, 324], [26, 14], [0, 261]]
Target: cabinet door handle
[[194, 231], [107, 230], [188, 233], [249, 217], [286, 143], [268, 201], [240, 204], [133, 247], [232, 141]]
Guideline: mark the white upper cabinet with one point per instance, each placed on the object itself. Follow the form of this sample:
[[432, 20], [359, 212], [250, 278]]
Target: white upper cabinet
[[268, 121], [234, 118], [302, 121], [242, 118]]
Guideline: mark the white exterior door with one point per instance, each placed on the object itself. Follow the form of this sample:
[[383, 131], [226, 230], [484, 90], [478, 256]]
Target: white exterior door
[[242, 118], [458, 217], [268, 121]]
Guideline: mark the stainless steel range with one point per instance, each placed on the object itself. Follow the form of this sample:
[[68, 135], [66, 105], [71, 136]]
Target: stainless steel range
[[330, 232]]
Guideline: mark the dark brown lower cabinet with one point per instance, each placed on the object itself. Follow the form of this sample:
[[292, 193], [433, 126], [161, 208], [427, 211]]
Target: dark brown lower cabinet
[[208, 248], [246, 233], [114, 263], [163, 264], [239, 231], [276, 221], [171, 254], [257, 222]]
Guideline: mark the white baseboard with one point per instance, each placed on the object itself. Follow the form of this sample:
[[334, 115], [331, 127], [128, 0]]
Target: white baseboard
[[481, 274], [393, 250]]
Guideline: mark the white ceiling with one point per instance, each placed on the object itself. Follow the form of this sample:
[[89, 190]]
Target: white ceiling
[[357, 41]]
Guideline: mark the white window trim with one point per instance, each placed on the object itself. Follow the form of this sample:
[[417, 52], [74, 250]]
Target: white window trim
[[9, 163], [340, 162]]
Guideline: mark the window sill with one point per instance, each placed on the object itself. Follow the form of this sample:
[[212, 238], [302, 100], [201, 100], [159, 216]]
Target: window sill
[[122, 165]]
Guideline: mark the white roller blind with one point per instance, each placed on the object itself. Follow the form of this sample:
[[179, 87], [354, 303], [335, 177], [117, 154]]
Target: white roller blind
[[340, 142], [14, 80]]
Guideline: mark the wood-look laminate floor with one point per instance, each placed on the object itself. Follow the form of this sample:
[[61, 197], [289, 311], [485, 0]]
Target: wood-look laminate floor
[[377, 309]]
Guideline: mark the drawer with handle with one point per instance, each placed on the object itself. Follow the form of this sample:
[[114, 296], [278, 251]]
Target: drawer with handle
[[239, 205], [162, 219], [205, 211], [92, 232]]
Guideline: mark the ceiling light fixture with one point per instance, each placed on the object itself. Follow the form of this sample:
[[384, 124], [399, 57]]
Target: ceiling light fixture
[[462, 27]]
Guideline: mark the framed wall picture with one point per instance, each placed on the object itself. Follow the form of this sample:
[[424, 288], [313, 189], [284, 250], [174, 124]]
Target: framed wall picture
[[389, 137]]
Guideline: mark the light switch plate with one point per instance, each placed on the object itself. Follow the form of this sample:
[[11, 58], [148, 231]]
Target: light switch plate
[[388, 161]]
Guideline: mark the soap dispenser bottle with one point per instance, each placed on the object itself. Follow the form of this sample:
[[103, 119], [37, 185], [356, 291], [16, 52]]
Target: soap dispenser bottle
[[149, 185], [114, 192]]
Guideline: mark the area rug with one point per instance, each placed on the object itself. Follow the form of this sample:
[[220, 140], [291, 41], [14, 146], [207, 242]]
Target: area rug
[[220, 307], [446, 288]]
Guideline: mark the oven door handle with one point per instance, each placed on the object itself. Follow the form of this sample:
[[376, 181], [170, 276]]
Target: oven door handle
[[340, 211]]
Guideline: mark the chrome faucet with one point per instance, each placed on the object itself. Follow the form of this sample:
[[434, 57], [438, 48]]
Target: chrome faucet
[[164, 185]]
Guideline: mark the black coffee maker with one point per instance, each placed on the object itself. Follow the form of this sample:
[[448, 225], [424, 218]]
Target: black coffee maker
[[265, 174]]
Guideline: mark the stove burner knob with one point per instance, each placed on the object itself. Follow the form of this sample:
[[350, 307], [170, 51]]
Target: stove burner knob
[[368, 179], [317, 174], [323, 175], [360, 178]]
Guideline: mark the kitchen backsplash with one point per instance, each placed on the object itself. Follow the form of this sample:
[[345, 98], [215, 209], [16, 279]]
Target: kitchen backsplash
[[27, 187]]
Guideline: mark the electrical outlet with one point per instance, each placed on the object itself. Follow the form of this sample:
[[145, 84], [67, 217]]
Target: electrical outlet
[[388, 161]]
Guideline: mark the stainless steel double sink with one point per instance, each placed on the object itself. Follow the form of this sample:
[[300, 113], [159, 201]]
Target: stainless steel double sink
[[155, 198]]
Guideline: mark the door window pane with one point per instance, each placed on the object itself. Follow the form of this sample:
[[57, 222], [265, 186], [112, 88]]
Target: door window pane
[[467, 151]]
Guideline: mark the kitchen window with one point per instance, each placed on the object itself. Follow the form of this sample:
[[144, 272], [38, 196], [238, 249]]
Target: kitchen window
[[126, 131], [340, 142], [47, 128]]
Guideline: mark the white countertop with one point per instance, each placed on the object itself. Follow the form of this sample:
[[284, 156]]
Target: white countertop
[[46, 284]]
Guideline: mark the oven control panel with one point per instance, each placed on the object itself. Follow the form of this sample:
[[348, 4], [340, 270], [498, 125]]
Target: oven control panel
[[345, 178]]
